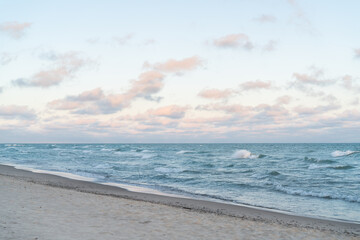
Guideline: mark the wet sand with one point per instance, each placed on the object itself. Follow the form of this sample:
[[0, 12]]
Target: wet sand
[[44, 206]]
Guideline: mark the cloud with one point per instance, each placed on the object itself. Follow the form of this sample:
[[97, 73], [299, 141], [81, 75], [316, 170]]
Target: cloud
[[302, 110], [234, 41], [171, 111], [92, 95], [215, 93], [237, 109], [270, 46], [350, 83], [149, 42], [17, 112], [124, 39], [357, 52], [176, 66], [14, 29], [149, 83], [97, 102], [65, 67], [283, 100], [314, 78], [6, 58], [265, 18], [274, 112], [1, 89], [300, 17], [93, 40], [255, 85]]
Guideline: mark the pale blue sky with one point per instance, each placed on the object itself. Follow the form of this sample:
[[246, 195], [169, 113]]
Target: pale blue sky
[[225, 71]]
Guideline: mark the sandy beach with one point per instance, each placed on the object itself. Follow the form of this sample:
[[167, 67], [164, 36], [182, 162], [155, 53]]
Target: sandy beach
[[43, 206]]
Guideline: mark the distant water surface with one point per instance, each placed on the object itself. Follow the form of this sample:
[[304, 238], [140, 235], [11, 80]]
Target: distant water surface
[[321, 180]]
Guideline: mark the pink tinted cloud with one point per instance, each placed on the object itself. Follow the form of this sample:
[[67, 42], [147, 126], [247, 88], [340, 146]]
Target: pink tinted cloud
[[97, 102], [171, 111], [255, 85], [177, 66], [65, 66], [234, 41], [95, 94], [283, 100], [16, 111], [76, 102], [149, 82], [357, 52], [237, 109], [215, 93], [14, 29], [64, 104], [315, 77], [351, 83]]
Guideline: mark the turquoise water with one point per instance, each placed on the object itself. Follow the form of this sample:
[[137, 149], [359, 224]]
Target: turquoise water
[[321, 180]]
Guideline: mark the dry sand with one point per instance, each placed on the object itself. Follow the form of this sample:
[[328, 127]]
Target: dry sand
[[41, 206]]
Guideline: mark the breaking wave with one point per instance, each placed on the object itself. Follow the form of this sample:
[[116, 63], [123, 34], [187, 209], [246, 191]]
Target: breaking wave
[[244, 154], [343, 153], [338, 167]]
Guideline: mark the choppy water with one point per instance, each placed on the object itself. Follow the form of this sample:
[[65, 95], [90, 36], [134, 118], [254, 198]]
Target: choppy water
[[320, 180]]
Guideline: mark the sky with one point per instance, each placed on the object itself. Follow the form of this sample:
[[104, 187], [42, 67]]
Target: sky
[[152, 71]]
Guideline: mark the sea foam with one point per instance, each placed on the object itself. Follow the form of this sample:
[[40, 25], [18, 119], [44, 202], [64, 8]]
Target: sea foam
[[341, 153], [243, 153]]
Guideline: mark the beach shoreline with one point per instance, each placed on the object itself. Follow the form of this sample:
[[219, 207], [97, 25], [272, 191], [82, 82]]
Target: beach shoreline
[[201, 206]]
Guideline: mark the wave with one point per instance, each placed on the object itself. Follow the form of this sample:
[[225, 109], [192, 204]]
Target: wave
[[338, 167], [184, 152], [274, 173], [338, 153], [314, 160], [106, 150], [325, 195], [343, 167], [143, 155], [243, 153]]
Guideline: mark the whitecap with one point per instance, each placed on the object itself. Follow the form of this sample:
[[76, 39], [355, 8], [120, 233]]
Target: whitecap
[[342, 153], [147, 156], [184, 151], [146, 151], [106, 150], [243, 153]]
